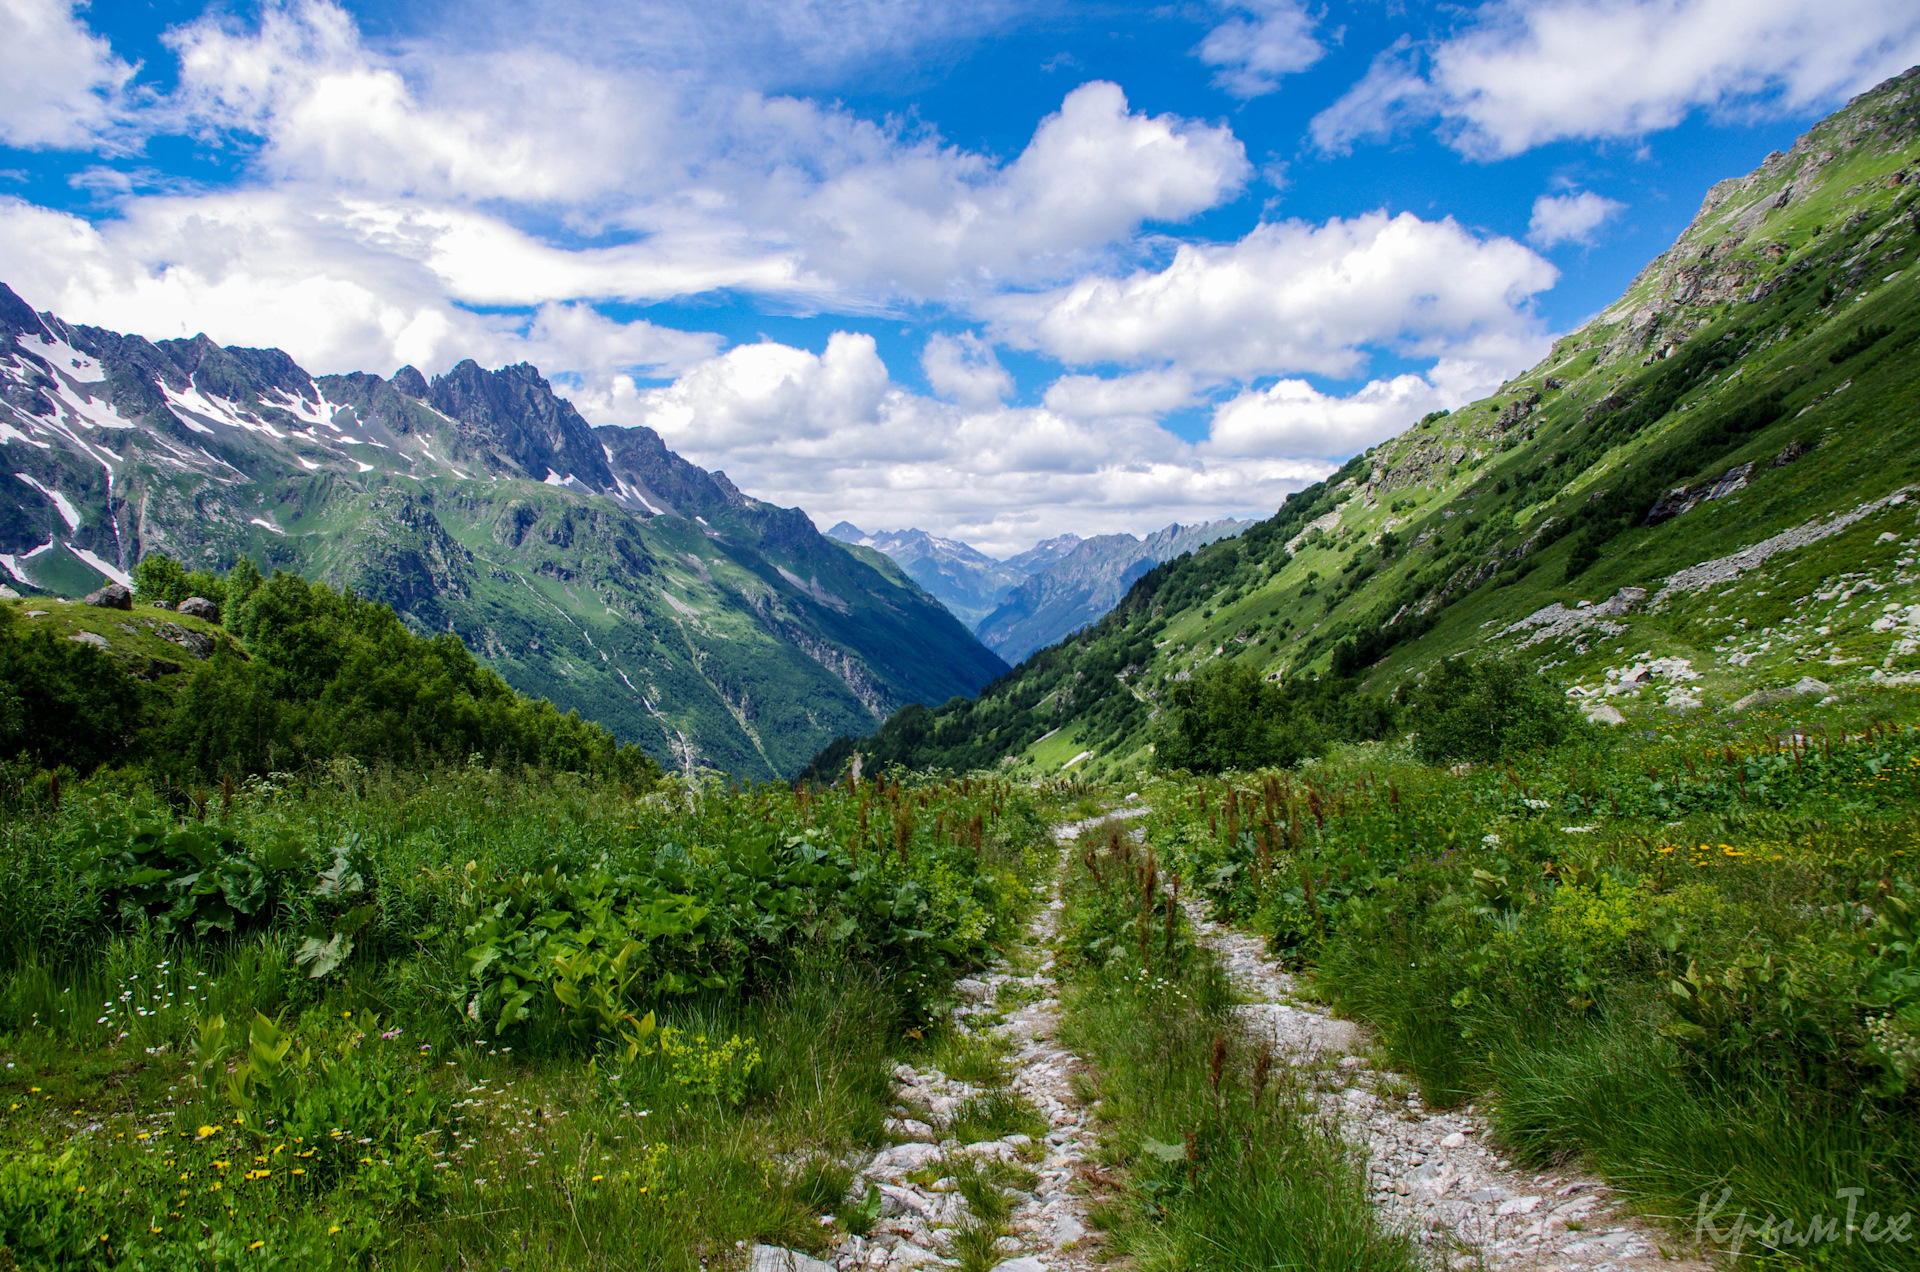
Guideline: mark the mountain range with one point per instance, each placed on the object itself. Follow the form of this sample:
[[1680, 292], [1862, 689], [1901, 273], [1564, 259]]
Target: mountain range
[[1702, 499], [591, 566], [1053, 589]]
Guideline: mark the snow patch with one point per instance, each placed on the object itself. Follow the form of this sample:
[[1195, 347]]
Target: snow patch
[[68, 513], [71, 362], [8, 433], [264, 524], [113, 572]]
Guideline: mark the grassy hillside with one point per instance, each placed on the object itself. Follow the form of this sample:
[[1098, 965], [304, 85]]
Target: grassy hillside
[[1762, 368]]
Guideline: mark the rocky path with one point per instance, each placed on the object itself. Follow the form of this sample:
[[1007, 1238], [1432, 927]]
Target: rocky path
[[1440, 1176], [925, 1221]]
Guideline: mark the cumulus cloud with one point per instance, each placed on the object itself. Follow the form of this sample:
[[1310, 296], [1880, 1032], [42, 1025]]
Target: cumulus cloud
[[1263, 41], [1293, 296], [523, 175], [60, 84], [1294, 418], [1142, 395], [1527, 72], [261, 268], [963, 369], [927, 219], [1569, 218], [833, 433]]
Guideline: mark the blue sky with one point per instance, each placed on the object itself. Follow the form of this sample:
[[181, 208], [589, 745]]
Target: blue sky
[[999, 270]]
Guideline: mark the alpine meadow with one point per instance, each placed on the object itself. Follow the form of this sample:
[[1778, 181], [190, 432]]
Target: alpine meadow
[[1373, 727]]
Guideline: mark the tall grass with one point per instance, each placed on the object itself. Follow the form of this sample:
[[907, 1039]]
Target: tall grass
[[1228, 1165]]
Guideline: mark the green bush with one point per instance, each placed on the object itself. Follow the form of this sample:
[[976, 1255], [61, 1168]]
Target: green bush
[[1228, 717], [159, 577], [64, 702], [1488, 710]]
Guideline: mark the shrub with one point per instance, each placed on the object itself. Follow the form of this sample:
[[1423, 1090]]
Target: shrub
[[1227, 717], [1488, 710], [159, 577]]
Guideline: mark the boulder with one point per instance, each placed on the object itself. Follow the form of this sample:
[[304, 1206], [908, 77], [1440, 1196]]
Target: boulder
[[89, 638], [8, 594], [1799, 689], [1603, 714], [113, 596], [199, 644], [768, 1258], [165, 605], [158, 667], [200, 607]]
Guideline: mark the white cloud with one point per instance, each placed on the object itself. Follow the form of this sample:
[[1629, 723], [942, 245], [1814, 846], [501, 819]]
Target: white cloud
[[1142, 395], [60, 84], [929, 219], [963, 369], [1292, 296], [1263, 41], [698, 186], [1569, 218], [1294, 418], [1527, 72], [261, 268], [834, 434]]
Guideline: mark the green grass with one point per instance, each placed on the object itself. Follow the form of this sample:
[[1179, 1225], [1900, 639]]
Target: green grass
[[995, 1115], [548, 1143], [1658, 953], [1224, 1170]]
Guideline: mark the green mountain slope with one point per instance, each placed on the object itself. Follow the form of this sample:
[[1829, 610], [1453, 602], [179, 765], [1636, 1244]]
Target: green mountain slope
[[593, 567], [1707, 491]]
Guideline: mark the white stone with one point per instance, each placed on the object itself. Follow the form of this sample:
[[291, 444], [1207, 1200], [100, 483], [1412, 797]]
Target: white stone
[[768, 1258], [901, 1159], [1025, 1263], [1518, 1206], [1454, 1140]]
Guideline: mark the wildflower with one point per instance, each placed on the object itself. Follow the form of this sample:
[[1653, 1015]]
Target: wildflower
[[333, 1231], [256, 1245]]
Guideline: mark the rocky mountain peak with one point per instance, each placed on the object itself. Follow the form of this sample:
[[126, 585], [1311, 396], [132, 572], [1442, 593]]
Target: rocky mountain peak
[[409, 381], [513, 416]]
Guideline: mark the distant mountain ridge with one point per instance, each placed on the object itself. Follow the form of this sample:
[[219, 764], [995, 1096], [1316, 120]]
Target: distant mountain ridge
[[1082, 584], [1052, 589], [591, 566], [961, 577]]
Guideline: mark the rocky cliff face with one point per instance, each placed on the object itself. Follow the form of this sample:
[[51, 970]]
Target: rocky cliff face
[[592, 566]]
